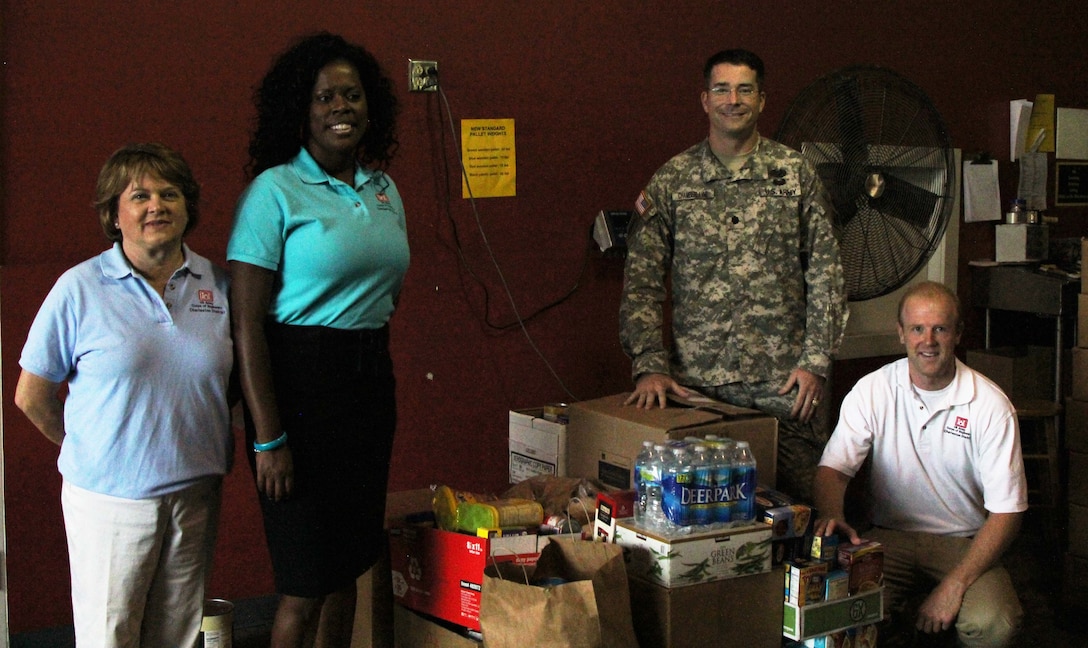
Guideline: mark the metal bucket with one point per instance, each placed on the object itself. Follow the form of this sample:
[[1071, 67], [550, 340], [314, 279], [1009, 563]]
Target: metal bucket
[[217, 626]]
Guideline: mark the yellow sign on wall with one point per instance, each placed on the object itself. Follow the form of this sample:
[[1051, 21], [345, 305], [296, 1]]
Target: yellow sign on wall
[[487, 148]]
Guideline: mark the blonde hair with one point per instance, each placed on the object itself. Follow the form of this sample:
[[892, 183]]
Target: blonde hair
[[932, 290]]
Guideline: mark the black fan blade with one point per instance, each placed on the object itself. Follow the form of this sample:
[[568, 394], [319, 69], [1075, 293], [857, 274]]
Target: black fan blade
[[907, 202]]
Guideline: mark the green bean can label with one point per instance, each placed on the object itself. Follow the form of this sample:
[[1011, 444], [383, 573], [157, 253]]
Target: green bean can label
[[217, 626]]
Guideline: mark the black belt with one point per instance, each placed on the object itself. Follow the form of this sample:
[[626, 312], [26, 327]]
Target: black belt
[[373, 339]]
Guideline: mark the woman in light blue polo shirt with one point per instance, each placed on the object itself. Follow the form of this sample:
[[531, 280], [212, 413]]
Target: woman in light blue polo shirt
[[141, 336], [318, 253]]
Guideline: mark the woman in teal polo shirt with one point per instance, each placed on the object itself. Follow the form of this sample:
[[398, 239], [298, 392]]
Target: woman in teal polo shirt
[[318, 253]]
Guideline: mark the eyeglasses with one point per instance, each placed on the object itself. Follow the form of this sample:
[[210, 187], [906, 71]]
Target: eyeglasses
[[744, 90]]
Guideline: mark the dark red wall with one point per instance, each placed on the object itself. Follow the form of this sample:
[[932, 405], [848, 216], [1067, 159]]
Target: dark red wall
[[602, 93]]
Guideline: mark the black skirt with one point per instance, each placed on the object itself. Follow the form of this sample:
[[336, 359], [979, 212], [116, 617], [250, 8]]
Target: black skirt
[[335, 394]]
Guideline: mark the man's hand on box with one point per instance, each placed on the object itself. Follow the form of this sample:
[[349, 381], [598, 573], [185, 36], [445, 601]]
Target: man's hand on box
[[653, 389]]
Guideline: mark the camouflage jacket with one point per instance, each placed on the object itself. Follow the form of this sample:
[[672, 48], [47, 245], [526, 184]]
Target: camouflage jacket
[[752, 264]]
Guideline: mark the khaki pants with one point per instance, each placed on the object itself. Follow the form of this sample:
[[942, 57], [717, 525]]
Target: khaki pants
[[139, 566], [914, 563]]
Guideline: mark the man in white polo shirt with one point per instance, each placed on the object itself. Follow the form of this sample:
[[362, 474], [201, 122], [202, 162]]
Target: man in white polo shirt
[[946, 488]]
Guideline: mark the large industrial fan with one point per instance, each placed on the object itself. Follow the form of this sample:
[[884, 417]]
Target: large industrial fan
[[882, 151]]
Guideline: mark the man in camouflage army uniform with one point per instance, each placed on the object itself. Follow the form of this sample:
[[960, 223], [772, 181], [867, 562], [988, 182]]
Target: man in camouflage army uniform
[[742, 226]]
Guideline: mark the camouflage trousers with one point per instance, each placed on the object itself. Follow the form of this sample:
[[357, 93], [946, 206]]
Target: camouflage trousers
[[800, 445]]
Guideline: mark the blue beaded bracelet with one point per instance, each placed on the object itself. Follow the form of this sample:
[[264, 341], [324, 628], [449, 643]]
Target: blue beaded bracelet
[[271, 445]]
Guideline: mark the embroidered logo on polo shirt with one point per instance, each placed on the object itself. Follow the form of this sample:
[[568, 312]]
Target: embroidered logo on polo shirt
[[958, 427], [382, 198], [205, 303]]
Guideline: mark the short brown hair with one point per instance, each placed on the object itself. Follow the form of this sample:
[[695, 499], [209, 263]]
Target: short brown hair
[[131, 163]]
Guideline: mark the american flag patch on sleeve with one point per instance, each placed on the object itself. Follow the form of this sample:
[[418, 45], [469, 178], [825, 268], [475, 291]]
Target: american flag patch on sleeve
[[642, 204]]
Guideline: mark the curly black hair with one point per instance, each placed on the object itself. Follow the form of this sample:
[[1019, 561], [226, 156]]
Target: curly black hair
[[284, 96]]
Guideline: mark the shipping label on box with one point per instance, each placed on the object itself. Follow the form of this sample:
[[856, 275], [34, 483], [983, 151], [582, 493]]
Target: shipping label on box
[[697, 557], [604, 436], [441, 572], [801, 623], [538, 446]]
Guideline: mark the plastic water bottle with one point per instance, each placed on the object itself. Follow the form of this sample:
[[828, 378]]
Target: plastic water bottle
[[677, 482], [744, 484], [640, 475], [702, 492], [723, 482], [654, 517]]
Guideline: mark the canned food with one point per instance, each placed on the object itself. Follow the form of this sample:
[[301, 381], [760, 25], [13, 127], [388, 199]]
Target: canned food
[[556, 412], [217, 626]]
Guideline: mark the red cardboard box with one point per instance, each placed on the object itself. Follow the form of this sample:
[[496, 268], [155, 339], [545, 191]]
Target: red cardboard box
[[440, 573], [612, 507]]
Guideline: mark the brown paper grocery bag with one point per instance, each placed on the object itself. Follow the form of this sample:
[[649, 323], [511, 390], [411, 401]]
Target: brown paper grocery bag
[[590, 609]]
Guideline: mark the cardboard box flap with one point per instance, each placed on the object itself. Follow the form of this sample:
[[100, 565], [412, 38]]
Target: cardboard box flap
[[681, 413], [723, 410]]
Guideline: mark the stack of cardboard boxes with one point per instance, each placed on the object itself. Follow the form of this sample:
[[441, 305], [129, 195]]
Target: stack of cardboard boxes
[[1076, 445], [698, 589], [688, 591]]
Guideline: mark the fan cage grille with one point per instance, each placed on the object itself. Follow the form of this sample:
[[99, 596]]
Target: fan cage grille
[[881, 149]]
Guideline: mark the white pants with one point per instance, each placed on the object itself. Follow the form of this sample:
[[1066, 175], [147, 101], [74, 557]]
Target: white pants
[[139, 566]]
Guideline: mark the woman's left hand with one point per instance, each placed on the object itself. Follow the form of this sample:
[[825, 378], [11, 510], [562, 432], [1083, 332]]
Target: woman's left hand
[[275, 473]]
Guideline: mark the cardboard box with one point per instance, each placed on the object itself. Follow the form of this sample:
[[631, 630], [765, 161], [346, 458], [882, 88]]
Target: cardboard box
[[1020, 242], [865, 564], [1083, 256], [836, 585], [604, 436], [1078, 530], [824, 547], [1082, 317], [1076, 425], [801, 623], [1075, 581], [1080, 374], [412, 629], [804, 581], [538, 446], [736, 612], [865, 635], [1023, 373], [785, 549], [793, 521], [440, 573], [612, 507], [696, 557], [1078, 478]]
